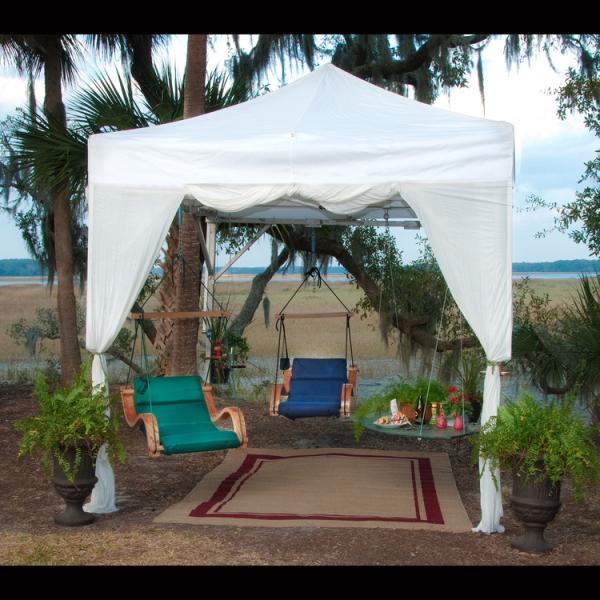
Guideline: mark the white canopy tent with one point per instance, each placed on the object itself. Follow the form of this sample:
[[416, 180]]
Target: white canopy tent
[[327, 148]]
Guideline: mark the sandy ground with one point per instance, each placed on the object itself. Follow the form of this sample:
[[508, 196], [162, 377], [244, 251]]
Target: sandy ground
[[145, 487]]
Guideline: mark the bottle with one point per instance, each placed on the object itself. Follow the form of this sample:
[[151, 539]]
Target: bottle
[[434, 415], [419, 415], [458, 423], [441, 422]]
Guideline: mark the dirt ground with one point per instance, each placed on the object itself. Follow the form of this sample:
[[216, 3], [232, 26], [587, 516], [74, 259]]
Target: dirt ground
[[145, 487]]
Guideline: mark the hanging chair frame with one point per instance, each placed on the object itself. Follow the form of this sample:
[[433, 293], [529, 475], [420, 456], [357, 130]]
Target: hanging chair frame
[[283, 363], [151, 426]]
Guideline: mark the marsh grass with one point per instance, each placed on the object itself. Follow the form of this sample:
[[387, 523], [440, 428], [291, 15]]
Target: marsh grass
[[321, 337]]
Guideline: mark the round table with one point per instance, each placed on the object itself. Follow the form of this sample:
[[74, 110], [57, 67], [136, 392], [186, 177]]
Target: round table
[[429, 431]]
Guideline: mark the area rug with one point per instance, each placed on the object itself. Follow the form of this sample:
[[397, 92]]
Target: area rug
[[326, 487]]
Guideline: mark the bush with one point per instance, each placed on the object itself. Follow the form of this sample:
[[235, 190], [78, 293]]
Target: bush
[[67, 416], [525, 431]]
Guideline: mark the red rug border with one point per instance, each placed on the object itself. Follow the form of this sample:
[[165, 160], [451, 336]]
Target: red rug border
[[220, 496]]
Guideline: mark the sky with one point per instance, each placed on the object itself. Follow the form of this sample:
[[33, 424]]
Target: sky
[[550, 153]]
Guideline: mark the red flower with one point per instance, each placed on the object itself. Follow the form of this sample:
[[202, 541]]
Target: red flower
[[454, 400], [452, 389]]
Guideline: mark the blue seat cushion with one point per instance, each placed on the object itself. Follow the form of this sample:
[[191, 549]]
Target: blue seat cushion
[[315, 388], [331, 388], [307, 408], [319, 368]]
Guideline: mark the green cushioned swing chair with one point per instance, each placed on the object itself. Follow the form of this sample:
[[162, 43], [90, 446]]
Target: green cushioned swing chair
[[178, 414]]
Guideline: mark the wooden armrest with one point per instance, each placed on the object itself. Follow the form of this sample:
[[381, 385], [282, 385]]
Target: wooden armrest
[[209, 399], [152, 435], [287, 377], [132, 418], [345, 400], [276, 390], [238, 420], [128, 402], [352, 376]]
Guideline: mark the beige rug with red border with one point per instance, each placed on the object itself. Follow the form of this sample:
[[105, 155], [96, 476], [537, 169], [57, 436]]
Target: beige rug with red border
[[326, 487]]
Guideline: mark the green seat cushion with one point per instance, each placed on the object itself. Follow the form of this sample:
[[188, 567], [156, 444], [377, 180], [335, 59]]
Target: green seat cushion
[[171, 399], [184, 423], [199, 441]]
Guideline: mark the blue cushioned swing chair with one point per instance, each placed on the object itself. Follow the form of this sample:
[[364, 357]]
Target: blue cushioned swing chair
[[313, 387]]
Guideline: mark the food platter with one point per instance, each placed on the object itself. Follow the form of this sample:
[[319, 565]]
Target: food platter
[[392, 425], [395, 421]]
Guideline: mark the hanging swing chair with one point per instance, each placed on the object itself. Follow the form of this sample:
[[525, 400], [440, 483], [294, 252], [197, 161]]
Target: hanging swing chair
[[313, 387], [177, 414]]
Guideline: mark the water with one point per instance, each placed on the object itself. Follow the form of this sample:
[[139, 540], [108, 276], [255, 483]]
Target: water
[[549, 275], [22, 280], [255, 380], [245, 277]]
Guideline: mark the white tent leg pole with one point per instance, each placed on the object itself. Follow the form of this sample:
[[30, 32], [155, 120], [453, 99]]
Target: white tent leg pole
[[209, 281], [103, 495]]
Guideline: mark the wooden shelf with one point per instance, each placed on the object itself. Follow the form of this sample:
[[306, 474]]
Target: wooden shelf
[[313, 315], [193, 314]]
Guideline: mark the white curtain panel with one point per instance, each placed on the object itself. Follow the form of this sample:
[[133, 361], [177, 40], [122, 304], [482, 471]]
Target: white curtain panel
[[126, 231], [469, 229], [337, 144]]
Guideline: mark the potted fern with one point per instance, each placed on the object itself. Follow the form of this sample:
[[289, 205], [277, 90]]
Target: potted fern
[[71, 425], [540, 445]]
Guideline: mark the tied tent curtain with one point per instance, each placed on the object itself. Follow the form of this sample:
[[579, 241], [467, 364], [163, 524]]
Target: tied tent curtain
[[327, 147]]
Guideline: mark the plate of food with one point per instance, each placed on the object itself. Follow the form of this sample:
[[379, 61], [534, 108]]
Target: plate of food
[[397, 420]]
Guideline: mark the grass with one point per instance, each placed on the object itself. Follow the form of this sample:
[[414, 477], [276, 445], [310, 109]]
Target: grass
[[322, 337]]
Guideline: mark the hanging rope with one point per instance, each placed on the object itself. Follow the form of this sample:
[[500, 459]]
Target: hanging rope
[[280, 324], [147, 372], [389, 247], [437, 339], [349, 341]]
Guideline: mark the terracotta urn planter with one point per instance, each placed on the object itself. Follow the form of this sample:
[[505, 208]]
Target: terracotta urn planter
[[535, 503], [75, 493], [409, 411]]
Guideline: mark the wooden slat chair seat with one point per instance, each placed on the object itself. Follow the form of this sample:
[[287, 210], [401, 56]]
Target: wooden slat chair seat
[[318, 387], [178, 415]]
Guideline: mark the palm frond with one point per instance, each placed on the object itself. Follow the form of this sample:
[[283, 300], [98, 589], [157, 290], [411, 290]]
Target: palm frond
[[49, 156], [583, 327], [107, 105], [221, 94]]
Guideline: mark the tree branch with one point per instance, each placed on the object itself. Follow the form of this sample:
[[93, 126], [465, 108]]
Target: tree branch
[[421, 57], [411, 326], [259, 284]]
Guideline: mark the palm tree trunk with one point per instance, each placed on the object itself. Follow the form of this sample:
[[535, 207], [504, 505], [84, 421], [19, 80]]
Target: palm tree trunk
[[188, 281], [70, 357], [195, 76], [185, 331], [163, 341]]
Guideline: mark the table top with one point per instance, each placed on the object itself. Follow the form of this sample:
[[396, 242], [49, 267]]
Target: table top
[[428, 431]]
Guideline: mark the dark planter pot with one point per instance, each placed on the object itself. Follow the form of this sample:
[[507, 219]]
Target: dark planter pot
[[75, 493], [535, 503]]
